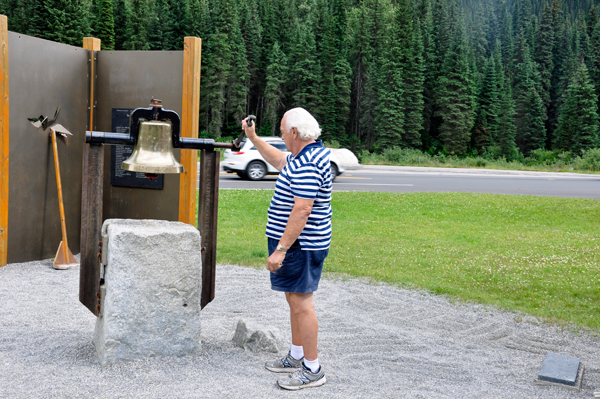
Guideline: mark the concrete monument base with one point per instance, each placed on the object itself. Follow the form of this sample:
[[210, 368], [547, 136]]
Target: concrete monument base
[[152, 272]]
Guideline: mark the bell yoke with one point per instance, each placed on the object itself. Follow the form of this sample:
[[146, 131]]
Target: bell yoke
[[155, 132]]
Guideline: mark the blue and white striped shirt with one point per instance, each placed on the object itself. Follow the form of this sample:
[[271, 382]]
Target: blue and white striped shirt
[[306, 175]]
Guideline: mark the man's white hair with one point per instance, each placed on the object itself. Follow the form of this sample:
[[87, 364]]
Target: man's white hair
[[301, 119]]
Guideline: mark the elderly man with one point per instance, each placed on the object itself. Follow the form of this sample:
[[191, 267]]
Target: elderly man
[[299, 233]]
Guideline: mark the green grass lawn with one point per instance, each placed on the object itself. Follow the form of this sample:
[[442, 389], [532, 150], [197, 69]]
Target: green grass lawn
[[539, 255]]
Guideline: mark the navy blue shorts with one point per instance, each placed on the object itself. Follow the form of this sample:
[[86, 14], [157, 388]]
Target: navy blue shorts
[[301, 270]]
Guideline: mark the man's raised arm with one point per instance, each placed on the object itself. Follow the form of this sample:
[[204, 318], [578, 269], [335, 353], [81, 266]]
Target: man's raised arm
[[271, 154]]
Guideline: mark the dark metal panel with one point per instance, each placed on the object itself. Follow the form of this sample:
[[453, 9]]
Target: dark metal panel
[[207, 222], [42, 75], [128, 79], [91, 226]]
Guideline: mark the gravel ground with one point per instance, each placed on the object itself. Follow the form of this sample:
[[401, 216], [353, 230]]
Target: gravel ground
[[376, 341]]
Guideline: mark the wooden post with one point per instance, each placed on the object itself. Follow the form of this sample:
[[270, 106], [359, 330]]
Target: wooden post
[[91, 204], [93, 44], [190, 109], [64, 259], [209, 206], [4, 139]]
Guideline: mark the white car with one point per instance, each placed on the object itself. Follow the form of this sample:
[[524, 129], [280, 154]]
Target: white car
[[249, 164]]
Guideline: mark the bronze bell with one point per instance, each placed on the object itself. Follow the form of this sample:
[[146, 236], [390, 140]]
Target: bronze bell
[[153, 151]]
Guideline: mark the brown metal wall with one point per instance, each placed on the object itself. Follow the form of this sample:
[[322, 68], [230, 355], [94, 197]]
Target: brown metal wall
[[42, 75], [128, 79]]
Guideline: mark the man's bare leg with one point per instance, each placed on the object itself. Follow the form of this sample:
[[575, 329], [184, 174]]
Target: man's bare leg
[[304, 323]]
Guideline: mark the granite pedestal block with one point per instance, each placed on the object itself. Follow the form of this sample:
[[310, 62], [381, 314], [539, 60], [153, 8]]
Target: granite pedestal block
[[152, 272]]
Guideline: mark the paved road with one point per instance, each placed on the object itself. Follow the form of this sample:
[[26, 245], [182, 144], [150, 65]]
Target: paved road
[[414, 179]]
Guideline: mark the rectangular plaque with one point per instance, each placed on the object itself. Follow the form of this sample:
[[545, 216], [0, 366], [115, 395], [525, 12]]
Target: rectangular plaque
[[119, 153]]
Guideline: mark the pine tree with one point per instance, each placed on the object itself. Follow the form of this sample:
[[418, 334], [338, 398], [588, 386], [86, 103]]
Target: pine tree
[[225, 76], [63, 21], [531, 134], [430, 71], [568, 65], [340, 86], [160, 27], [18, 13], [122, 17], [266, 14], [389, 115], [105, 28], [199, 14], [455, 100], [578, 123], [214, 84], [181, 23], [544, 48], [508, 46], [443, 21], [137, 29], [275, 81], [37, 21], [561, 54], [594, 28], [410, 63], [367, 29], [336, 70], [56, 20], [522, 12], [237, 93], [479, 44], [485, 129], [413, 103], [251, 29], [237, 89], [305, 72], [447, 22], [585, 43], [381, 10], [505, 136], [492, 30], [592, 20], [95, 9]]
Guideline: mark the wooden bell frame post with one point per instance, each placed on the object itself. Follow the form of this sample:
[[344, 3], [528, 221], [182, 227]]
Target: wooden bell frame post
[[4, 139]]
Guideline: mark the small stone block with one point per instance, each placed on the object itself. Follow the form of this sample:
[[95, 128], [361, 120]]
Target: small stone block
[[256, 337], [560, 369]]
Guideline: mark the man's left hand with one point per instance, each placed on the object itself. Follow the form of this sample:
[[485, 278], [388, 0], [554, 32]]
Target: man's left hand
[[275, 261]]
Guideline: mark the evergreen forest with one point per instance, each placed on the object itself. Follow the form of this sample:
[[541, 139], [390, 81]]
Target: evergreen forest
[[492, 78]]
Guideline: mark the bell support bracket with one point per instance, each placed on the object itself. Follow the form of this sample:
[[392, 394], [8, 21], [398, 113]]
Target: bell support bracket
[[153, 113]]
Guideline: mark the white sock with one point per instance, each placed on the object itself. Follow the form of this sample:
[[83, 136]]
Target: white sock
[[313, 365], [297, 352]]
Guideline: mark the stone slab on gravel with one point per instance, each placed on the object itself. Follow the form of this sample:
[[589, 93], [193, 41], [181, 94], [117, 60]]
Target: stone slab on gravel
[[257, 337], [560, 369], [375, 341], [151, 291]]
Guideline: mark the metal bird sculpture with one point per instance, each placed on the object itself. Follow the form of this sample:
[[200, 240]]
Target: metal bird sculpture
[[45, 123]]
